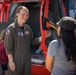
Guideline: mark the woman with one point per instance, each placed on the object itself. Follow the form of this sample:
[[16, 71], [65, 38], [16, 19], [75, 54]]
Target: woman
[[3, 56], [61, 55], [18, 38]]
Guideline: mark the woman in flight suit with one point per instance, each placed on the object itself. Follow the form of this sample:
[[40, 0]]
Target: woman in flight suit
[[18, 38]]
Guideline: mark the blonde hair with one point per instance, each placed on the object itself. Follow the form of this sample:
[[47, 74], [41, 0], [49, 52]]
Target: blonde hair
[[21, 7]]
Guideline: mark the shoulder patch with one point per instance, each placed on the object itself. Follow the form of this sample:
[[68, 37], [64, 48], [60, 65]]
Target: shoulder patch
[[7, 32]]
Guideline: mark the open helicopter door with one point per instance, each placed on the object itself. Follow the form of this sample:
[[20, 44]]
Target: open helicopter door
[[51, 11]]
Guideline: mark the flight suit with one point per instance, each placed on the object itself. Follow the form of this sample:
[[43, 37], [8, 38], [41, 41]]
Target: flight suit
[[18, 43]]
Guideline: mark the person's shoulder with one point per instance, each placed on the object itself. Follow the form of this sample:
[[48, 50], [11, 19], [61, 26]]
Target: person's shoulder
[[11, 26], [54, 42]]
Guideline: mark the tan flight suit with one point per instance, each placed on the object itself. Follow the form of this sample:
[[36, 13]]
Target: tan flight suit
[[18, 43]]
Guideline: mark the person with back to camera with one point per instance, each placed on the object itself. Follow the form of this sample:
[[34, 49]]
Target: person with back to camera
[[18, 38], [3, 56], [61, 55]]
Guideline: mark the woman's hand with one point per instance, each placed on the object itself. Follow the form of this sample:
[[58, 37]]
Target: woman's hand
[[12, 66]]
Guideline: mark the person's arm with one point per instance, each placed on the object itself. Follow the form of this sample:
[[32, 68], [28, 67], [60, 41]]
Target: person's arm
[[33, 40], [49, 62], [11, 62], [8, 43], [10, 57], [51, 53]]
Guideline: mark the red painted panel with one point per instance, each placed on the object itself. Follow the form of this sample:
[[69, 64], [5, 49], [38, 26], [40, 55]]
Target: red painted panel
[[4, 9], [39, 70]]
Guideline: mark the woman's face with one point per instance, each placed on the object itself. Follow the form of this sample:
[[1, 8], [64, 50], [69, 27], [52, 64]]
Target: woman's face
[[23, 15], [58, 32]]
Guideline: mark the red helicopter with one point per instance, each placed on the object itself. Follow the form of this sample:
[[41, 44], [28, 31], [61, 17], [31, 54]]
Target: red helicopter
[[41, 21]]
